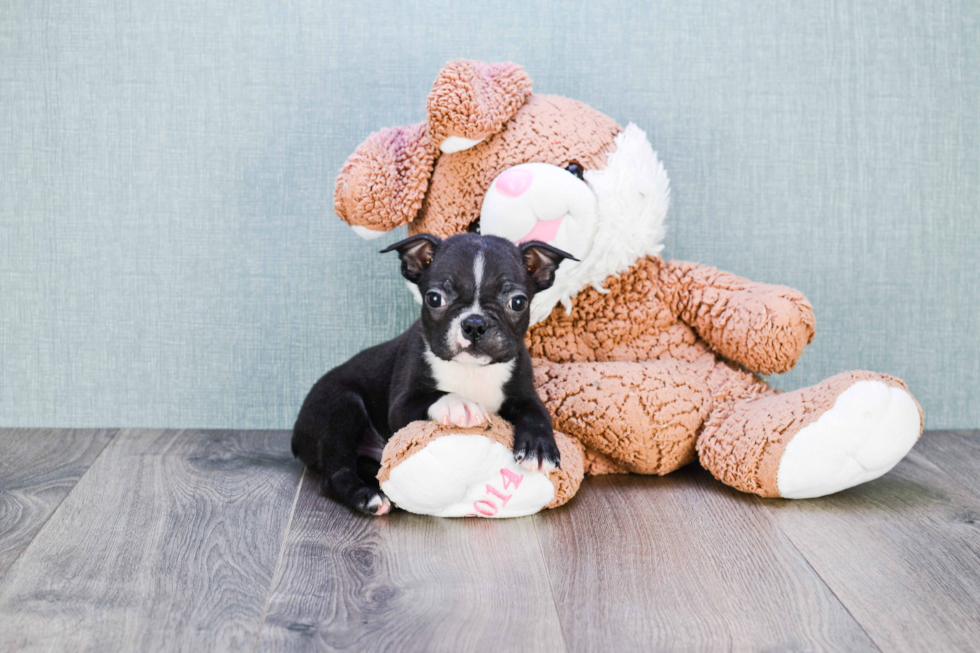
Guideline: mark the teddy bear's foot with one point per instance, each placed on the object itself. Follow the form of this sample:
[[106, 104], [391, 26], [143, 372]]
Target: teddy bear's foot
[[431, 469], [366, 500], [850, 429], [868, 430]]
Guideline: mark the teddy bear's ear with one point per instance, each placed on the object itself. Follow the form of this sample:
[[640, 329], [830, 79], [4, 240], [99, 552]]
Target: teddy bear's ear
[[384, 181], [471, 100]]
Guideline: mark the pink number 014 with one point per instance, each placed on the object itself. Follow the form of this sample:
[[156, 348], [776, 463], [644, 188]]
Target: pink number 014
[[487, 507]]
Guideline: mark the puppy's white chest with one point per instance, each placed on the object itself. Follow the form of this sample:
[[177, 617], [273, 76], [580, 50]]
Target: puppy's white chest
[[483, 384]]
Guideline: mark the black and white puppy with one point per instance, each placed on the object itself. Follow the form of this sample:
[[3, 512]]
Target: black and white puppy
[[463, 359]]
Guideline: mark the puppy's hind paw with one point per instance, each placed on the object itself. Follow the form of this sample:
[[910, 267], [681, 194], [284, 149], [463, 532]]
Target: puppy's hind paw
[[372, 502], [381, 507]]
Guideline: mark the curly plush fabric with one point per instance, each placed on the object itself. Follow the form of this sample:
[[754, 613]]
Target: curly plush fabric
[[649, 413], [762, 326], [598, 464], [382, 184], [646, 416], [472, 99], [674, 308], [568, 477]]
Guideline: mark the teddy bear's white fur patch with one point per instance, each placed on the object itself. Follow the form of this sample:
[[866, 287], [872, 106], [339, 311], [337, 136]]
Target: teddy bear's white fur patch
[[632, 197]]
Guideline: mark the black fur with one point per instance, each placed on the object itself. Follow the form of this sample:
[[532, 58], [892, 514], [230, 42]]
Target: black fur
[[384, 388]]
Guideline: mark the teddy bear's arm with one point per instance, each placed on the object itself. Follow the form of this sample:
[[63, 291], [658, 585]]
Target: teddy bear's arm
[[761, 326]]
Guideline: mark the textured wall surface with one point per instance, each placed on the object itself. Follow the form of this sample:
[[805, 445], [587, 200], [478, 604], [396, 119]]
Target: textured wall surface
[[168, 253]]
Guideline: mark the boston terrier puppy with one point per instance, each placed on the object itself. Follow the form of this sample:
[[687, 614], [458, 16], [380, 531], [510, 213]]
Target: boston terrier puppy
[[462, 360]]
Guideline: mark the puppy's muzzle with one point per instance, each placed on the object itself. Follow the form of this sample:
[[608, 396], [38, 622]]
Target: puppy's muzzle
[[474, 326]]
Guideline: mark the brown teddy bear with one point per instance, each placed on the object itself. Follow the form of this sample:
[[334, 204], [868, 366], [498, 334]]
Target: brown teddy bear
[[647, 363]]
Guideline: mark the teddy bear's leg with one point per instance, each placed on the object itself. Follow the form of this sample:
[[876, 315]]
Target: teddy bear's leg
[[846, 430], [644, 417], [449, 471], [595, 463]]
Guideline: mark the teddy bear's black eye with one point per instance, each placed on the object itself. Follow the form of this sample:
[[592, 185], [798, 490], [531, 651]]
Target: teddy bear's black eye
[[474, 227], [434, 299], [576, 169], [517, 303]]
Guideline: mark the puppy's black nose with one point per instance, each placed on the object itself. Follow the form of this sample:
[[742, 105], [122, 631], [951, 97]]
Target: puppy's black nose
[[474, 326]]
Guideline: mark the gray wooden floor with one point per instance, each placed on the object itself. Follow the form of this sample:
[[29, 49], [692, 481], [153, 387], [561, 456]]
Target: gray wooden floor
[[218, 540]]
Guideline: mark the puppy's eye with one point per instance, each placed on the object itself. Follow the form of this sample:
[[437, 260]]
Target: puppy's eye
[[576, 169], [434, 299], [517, 303]]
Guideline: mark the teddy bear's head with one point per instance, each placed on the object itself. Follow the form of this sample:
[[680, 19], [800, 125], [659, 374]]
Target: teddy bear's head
[[492, 157]]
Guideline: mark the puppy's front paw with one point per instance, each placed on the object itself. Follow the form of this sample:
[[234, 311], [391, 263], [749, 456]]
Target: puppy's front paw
[[371, 502], [537, 454], [456, 410]]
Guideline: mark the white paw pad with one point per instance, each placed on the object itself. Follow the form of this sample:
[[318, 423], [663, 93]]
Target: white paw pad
[[868, 430], [379, 505], [461, 475], [456, 410]]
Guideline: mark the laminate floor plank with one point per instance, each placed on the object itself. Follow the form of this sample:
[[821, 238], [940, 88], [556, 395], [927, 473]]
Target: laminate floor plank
[[957, 453], [165, 540], [38, 469], [169, 542], [349, 582], [684, 563], [902, 554]]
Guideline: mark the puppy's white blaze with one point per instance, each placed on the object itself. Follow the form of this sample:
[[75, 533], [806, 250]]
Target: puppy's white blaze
[[454, 335], [478, 275], [483, 384]]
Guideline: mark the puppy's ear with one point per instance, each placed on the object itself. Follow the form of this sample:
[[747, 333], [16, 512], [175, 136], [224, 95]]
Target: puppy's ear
[[416, 254], [471, 100], [384, 181], [541, 262]]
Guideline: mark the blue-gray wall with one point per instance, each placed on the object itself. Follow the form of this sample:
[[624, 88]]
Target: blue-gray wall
[[168, 254]]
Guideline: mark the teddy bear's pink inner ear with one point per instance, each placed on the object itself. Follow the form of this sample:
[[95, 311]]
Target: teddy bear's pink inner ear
[[471, 100], [383, 183]]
